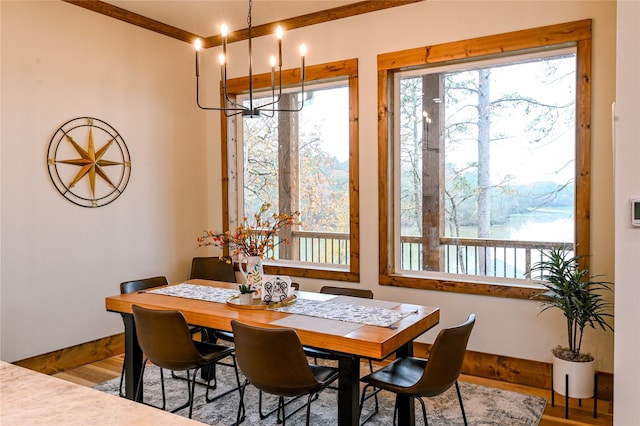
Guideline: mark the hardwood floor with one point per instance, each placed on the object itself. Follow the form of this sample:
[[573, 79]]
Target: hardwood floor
[[91, 374]]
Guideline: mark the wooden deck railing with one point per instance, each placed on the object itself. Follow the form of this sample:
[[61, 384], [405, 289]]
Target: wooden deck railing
[[485, 257], [467, 256]]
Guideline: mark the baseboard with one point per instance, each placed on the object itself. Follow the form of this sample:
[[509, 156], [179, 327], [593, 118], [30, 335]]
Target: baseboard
[[515, 370], [490, 366], [75, 356]]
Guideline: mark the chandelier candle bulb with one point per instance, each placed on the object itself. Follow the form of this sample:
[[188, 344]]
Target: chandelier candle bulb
[[198, 46], [303, 52], [279, 34], [273, 72], [224, 30]]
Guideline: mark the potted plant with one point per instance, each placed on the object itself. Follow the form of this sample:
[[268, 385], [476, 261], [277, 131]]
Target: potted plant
[[580, 298], [246, 294]]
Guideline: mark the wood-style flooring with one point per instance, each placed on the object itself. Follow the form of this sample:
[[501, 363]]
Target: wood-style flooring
[[91, 374]]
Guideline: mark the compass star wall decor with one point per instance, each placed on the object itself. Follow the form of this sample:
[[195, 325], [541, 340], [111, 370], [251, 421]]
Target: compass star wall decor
[[88, 162]]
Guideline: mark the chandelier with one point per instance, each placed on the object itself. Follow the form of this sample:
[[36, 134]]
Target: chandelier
[[231, 108]]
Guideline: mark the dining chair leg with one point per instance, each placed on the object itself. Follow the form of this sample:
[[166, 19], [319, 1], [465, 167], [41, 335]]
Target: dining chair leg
[[121, 380], [241, 407], [137, 397], [164, 398], [375, 390], [190, 388], [309, 399], [365, 397], [140, 380], [424, 410], [281, 405], [464, 416], [227, 392]]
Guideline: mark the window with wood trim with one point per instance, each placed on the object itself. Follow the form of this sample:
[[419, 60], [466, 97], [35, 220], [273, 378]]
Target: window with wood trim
[[484, 159], [303, 161]]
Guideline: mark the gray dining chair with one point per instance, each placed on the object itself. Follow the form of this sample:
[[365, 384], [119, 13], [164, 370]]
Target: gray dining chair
[[165, 339], [418, 377], [272, 360], [132, 287]]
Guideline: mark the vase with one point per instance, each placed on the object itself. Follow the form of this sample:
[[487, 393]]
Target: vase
[[251, 270], [581, 378]]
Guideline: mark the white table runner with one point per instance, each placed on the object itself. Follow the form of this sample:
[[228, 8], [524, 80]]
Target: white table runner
[[369, 315], [333, 309], [199, 292]]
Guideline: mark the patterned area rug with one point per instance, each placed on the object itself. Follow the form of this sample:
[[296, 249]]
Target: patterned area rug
[[483, 405]]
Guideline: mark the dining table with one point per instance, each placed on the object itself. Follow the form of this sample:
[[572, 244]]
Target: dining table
[[350, 328], [28, 397]]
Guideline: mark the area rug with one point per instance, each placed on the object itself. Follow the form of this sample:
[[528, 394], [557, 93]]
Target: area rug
[[483, 405]]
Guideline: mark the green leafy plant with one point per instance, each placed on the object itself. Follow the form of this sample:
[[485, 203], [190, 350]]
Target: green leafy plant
[[245, 288], [570, 288]]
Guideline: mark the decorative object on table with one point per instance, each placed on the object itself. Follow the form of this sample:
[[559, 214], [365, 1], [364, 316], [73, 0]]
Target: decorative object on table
[[276, 288], [105, 170], [580, 298], [251, 242], [246, 294], [252, 273], [257, 304]]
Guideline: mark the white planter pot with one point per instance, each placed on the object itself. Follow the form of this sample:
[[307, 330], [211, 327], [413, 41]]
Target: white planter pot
[[245, 298], [581, 378]]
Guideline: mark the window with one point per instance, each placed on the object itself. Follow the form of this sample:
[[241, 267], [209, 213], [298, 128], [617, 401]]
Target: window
[[485, 156], [304, 161]]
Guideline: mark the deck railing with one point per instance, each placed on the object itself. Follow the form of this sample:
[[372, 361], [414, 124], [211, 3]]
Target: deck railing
[[466, 256], [318, 247], [485, 257]]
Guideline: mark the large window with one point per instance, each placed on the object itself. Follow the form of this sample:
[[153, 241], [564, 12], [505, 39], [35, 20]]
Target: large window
[[304, 161], [484, 157]]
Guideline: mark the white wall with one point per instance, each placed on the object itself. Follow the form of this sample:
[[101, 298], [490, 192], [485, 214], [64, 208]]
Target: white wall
[[59, 261], [505, 326], [627, 185]]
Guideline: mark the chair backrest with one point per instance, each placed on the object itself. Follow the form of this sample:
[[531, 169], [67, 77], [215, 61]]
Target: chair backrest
[[143, 284], [273, 360], [344, 291], [445, 359], [165, 338], [213, 268]]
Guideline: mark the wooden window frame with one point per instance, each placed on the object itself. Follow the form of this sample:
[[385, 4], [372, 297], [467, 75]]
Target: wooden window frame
[[577, 34], [316, 73]]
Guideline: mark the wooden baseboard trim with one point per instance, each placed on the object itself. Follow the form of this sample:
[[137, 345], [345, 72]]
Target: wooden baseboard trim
[[516, 370], [75, 356], [480, 364]]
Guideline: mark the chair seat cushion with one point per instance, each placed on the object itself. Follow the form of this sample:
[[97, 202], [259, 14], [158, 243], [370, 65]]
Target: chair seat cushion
[[399, 376], [211, 352], [319, 353], [324, 375], [224, 335]]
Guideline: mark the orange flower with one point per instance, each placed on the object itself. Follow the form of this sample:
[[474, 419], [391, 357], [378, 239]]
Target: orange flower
[[252, 239]]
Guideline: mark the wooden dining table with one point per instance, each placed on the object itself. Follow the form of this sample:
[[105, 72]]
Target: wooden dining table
[[347, 341]]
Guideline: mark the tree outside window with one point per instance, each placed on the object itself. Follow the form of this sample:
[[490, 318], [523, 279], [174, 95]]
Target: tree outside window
[[485, 148], [487, 165], [304, 161]]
